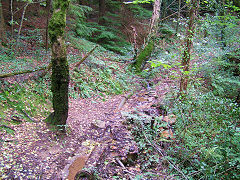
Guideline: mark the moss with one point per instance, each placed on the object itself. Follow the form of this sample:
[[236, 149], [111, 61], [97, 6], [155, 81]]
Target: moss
[[56, 26], [60, 81], [57, 23], [60, 68], [61, 4], [143, 56]]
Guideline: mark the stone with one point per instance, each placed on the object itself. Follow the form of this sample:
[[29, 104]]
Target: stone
[[99, 124]]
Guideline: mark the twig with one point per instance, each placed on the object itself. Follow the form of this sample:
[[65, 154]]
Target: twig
[[125, 169], [24, 112], [85, 57], [23, 14], [124, 100], [162, 154], [172, 14]]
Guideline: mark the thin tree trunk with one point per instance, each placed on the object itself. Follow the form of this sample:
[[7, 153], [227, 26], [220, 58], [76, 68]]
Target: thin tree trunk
[[179, 13], [12, 20], [102, 11], [222, 14], [48, 13], [145, 54], [188, 46], [23, 15], [2, 26], [60, 68], [155, 16]]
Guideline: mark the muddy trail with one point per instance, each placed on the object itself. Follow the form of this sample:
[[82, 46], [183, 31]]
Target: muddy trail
[[96, 139]]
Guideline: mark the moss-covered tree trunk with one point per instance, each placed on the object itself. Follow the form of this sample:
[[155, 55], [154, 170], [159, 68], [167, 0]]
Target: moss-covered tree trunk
[[60, 68], [143, 56], [193, 6]]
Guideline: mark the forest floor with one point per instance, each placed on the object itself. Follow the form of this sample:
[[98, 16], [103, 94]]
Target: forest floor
[[96, 138]]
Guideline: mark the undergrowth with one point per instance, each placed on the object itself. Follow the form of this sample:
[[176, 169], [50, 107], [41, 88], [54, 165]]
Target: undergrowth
[[206, 142], [107, 35], [208, 133], [28, 101]]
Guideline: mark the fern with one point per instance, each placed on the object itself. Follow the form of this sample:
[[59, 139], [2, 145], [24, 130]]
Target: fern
[[78, 20], [140, 12]]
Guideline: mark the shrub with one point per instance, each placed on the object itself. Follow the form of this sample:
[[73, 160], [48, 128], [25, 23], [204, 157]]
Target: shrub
[[207, 145]]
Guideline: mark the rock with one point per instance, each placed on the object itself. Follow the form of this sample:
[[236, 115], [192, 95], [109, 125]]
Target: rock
[[99, 124]]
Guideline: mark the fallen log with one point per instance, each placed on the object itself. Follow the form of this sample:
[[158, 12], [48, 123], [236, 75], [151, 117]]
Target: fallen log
[[85, 57], [25, 71]]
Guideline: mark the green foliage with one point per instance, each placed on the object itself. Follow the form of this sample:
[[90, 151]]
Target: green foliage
[[223, 78], [166, 31], [78, 22], [108, 38], [99, 77], [6, 129], [106, 35], [31, 98], [139, 1], [98, 80], [113, 6], [25, 101], [207, 134], [140, 12]]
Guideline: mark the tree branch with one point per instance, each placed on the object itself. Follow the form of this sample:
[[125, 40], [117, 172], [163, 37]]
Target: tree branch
[[85, 57]]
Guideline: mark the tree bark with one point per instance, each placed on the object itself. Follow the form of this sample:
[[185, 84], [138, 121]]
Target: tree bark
[[188, 45], [60, 68], [2, 26], [179, 14], [102, 11], [145, 54], [155, 16], [48, 8]]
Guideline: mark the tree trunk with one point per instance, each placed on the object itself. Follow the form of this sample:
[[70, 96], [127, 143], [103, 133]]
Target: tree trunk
[[155, 16], [48, 8], [2, 26], [102, 11], [188, 45], [222, 14], [145, 54], [179, 14], [60, 68]]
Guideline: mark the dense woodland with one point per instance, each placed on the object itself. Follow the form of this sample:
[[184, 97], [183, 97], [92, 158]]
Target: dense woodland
[[117, 89]]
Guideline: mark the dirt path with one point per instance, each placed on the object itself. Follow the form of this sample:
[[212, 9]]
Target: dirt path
[[95, 131]]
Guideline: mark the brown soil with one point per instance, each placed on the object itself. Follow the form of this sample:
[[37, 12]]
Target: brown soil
[[95, 131]]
